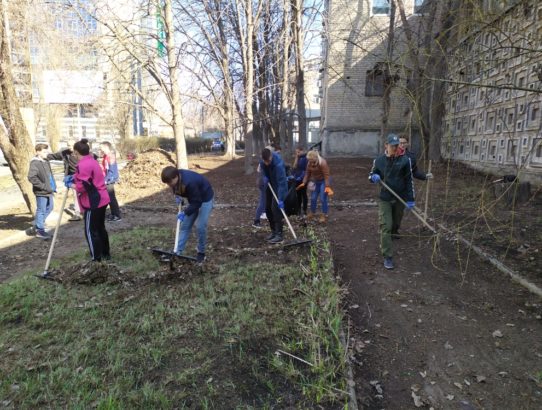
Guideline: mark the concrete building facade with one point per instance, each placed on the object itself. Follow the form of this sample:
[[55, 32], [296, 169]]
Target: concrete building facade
[[355, 51], [494, 107]]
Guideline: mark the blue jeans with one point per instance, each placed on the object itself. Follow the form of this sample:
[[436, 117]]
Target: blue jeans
[[200, 218], [319, 191], [44, 206], [261, 204]]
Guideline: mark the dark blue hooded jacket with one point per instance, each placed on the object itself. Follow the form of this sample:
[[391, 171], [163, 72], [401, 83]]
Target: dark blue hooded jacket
[[276, 173], [195, 188], [301, 167]]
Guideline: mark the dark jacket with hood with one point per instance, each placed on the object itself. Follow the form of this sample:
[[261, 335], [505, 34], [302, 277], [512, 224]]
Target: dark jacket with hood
[[195, 188], [276, 174], [396, 172], [41, 177]]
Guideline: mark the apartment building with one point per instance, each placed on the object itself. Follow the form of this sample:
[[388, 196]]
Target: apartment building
[[494, 106]]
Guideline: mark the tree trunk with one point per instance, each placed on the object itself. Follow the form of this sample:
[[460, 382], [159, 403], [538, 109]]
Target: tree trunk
[[249, 89], [388, 82], [297, 12], [177, 121], [15, 143]]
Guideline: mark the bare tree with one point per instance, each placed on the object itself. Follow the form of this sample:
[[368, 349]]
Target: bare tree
[[15, 140], [130, 39]]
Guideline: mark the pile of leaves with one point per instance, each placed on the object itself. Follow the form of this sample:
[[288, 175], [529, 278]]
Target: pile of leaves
[[144, 171]]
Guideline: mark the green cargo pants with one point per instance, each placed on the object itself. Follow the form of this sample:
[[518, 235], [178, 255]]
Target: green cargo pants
[[390, 214]]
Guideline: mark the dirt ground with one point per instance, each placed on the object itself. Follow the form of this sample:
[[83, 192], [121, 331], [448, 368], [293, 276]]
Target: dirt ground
[[444, 329]]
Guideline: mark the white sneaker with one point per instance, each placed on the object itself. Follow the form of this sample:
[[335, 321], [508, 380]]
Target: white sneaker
[[263, 216]]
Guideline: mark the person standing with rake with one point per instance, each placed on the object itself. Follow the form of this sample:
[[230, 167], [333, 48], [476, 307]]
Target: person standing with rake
[[89, 183], [395, 170]]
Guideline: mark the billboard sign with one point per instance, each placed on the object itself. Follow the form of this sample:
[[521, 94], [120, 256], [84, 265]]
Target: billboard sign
[[72, 87]]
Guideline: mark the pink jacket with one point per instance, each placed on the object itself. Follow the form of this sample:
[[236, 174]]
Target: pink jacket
[[90, 184]]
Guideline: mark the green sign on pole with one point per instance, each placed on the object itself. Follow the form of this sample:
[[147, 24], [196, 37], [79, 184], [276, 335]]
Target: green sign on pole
[[161, 31]]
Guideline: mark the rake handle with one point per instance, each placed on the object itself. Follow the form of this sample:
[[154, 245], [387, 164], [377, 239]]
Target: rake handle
[[282, 210], [49, 256], [427, 192], [177, 229]]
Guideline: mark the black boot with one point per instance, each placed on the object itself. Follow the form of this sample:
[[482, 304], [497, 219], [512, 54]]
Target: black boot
[[277, 238]]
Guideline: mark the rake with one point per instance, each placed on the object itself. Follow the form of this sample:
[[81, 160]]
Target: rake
[[168, 256], [297, 241], [46, 274]]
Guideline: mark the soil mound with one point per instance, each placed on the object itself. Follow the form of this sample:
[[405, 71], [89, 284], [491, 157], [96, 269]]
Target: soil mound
[[89, 273], [144, 171]]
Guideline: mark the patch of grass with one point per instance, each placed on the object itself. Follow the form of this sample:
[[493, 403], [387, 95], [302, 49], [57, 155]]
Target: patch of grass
[[208, 341]]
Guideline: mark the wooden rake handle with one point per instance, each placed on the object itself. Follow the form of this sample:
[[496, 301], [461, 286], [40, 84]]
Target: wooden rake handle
[[282, 210]]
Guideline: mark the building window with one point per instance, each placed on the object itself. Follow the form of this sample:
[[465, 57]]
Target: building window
[[534, 112], [374, 83], [537, 144], [84, 131], [70, 131], [512, 150], [476, 149], [381, 7], [418, 6]]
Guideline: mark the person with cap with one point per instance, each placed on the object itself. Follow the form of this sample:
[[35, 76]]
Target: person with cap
[[199, 193], [416, 173], [396, 171], [273, 169]]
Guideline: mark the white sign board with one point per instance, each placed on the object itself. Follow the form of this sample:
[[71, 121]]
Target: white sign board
[[71, 87]]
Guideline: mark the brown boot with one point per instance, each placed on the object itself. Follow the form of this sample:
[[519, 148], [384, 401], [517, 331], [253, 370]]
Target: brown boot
[[322, 219], [310, 216]]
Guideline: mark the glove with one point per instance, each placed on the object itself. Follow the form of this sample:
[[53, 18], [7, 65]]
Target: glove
[[429, 175], [300, 186], [281, 204], [329, 191], [178, 200], [68, 181], [290, 178], [410, 204], [265, 181], [180, 216], [298, 179], [375, 178]]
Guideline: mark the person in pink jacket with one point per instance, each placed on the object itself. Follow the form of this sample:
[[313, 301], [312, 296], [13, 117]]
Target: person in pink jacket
[[89, 183]]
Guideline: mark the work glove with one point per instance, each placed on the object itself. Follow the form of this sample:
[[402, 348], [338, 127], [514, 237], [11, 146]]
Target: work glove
[[281, 204], [68, 181], [180, 216], [265, 180], [329, 191], [300, 186], [429, 175], [410, 204], [178, 200], [375, 178]]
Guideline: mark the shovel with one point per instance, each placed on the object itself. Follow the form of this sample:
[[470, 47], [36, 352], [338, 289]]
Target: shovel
[[46, 273], [296, 241], [167, 256]]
